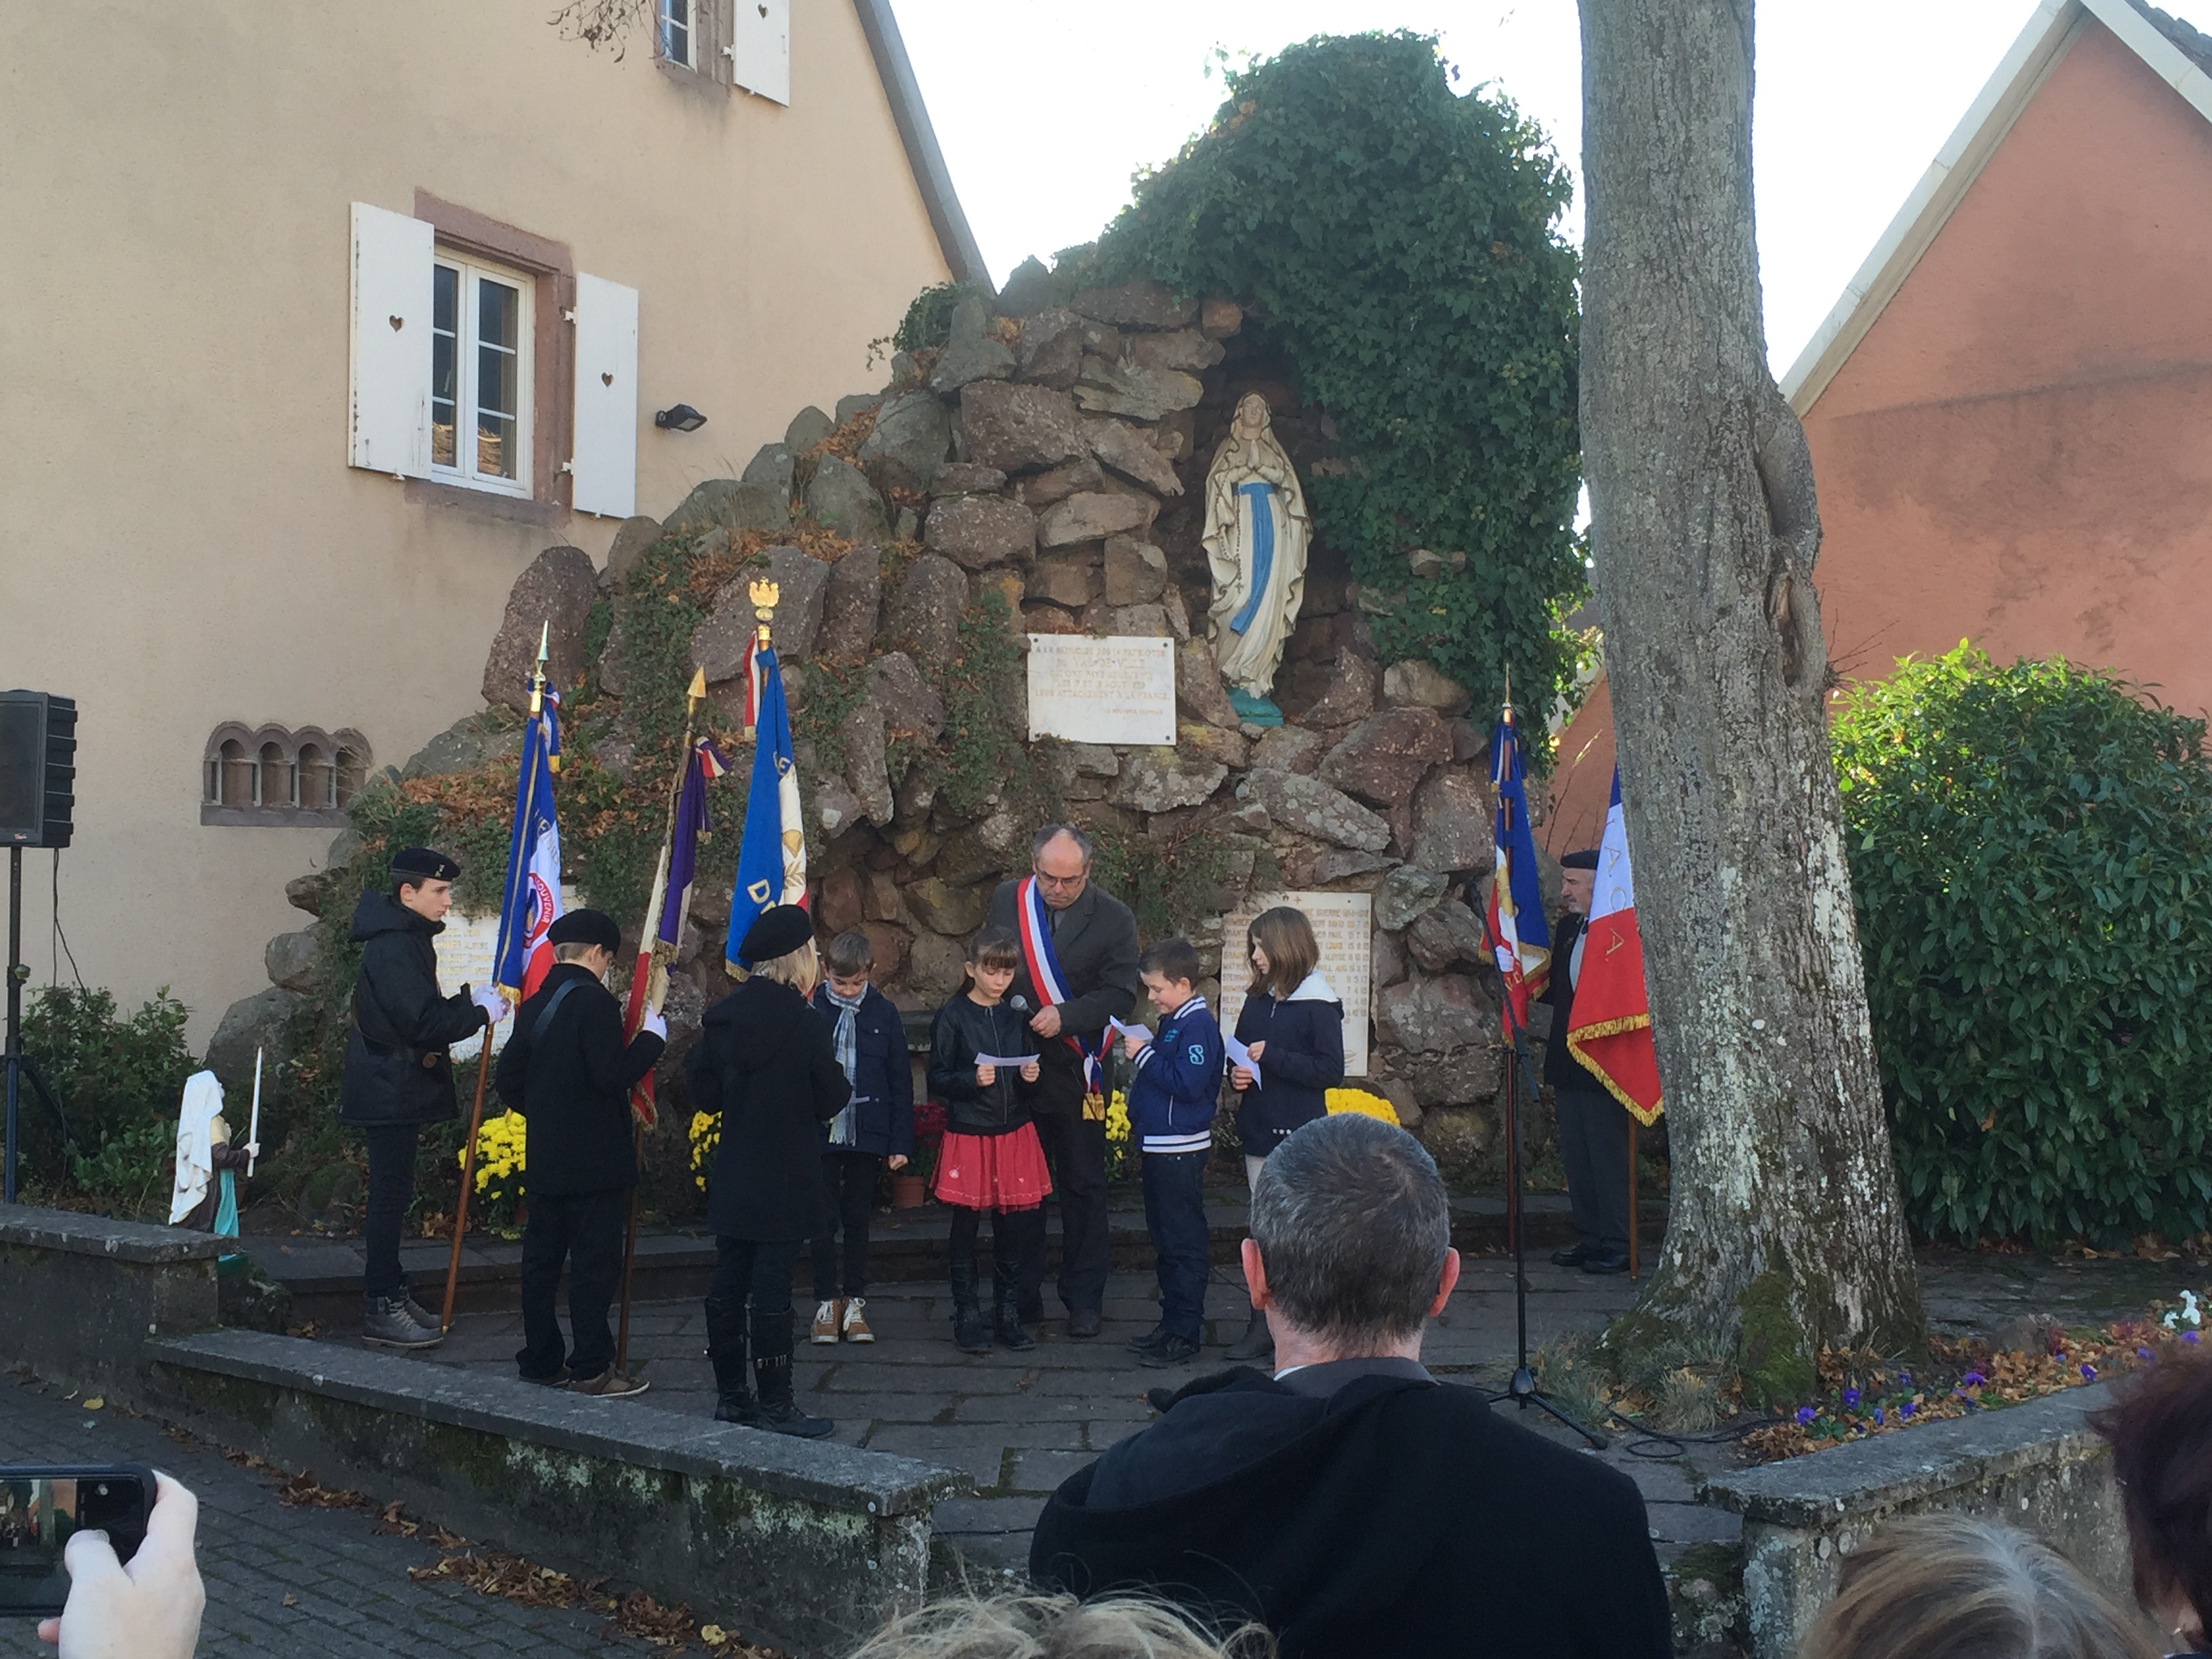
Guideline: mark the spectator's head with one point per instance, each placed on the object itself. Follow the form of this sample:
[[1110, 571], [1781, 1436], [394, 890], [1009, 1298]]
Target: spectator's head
[[1350, 1243], [1059, 858], [850, 960], [2160, 1427], [1283, 949], [1056, 1628], [1578, 880], [994, 956], [780, 947], [1945, 1586], [1168, 973]]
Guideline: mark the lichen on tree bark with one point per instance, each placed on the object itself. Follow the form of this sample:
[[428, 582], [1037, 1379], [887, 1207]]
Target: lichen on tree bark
[[1786, 1230]]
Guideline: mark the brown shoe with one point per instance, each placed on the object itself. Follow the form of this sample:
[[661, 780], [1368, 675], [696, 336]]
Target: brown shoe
[[854, 1327], [610, 1384], [828, 1316]]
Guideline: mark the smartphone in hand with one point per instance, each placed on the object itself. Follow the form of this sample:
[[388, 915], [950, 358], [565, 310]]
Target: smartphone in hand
[[41, 1508]]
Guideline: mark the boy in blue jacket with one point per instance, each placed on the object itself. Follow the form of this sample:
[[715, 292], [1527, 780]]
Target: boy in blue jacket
[[1172, 1100], [876, 1128]]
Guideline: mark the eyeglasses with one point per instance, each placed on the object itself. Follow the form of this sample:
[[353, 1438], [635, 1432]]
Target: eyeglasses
[[1056, 883]]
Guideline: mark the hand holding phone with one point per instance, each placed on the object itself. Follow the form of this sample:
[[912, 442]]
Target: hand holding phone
[[148, 1609]]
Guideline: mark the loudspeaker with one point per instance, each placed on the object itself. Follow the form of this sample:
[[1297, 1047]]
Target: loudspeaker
[[38, 769]]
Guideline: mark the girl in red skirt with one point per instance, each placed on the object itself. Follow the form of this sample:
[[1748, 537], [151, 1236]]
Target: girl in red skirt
[[991, 1158]]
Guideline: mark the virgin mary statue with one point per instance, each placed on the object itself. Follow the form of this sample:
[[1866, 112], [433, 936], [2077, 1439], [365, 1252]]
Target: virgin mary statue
[[1256, 533]]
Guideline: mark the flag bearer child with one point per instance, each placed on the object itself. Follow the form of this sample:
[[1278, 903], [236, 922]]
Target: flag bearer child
[[1172, 1100], [991, 1158], [877, 1127]]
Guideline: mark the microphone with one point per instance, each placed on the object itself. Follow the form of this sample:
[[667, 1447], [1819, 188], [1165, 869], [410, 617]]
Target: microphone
[[1018, 1003]]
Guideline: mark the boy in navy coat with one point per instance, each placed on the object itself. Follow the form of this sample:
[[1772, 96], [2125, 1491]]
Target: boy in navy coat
[[876, 1128], [1172, 1100]]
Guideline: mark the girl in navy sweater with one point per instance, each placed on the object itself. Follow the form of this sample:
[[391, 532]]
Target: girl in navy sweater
[[1293, 1025]]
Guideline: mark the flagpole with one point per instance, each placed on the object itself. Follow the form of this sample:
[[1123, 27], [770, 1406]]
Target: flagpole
[[1512, 1091], [648, 963], [484, 1047], [1631, 1198]]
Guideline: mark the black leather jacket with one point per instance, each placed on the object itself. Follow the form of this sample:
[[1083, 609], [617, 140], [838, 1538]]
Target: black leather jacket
[[962, 1030]]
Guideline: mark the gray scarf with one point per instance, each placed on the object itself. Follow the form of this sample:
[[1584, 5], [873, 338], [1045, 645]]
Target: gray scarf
[[842, 1127]]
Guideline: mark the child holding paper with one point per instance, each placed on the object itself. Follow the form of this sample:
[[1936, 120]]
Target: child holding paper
[[1292, 1029], [984, 1065]]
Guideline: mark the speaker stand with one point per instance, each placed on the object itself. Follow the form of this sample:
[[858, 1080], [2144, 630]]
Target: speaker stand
[[17, 1065]]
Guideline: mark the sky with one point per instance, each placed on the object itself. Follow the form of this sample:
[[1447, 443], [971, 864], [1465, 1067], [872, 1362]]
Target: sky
[[1044, 108]]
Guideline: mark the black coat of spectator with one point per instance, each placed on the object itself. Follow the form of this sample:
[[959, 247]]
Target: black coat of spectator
[[883, 1086], [964, 1029], [1391, 1518], [396, 1069], [1561, 1069], [1303, 1061], [574, 1084], [1095, 940], [766, 1061]]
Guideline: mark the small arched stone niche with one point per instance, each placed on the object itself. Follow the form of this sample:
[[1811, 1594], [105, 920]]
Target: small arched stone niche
[[273, 774]]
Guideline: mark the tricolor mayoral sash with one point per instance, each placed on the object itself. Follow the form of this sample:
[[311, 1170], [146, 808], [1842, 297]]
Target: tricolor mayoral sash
[[1035, 926]]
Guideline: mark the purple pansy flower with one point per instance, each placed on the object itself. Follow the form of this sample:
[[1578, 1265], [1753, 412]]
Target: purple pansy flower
[[2189, 1336], [1878, 1417], [1805, 1416], [1974, 1379], [1906, 1409], [2088, 1373], [1850, 1396]]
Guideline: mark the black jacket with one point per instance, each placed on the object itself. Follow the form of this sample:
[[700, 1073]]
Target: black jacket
[[1561, 1069], [1303, 1061], [964, 1029], [1095, 943], [766, 1063], [883, 1085], [397, 1070], [574, 1086], [1393, 1517]]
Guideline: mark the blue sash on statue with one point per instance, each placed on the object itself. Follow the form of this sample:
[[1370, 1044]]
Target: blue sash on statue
[[1263, 551]]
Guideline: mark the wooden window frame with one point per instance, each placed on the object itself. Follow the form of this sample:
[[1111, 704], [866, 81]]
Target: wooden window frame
[[710, 38], [465, 234], [466, 390]]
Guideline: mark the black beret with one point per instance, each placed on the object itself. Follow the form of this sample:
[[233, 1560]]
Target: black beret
[[1586, 858], [585, 928], [424, 864], [776, 931]]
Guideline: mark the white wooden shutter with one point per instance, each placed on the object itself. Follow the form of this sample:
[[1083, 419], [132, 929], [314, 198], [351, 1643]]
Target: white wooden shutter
[[760, 47], [389, 392], [605, 463]]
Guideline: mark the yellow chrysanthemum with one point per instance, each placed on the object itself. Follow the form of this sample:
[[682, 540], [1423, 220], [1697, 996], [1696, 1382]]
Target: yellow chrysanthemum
[[706, 1134], [1117, 1117], [1359, 1100], [502, 1148]]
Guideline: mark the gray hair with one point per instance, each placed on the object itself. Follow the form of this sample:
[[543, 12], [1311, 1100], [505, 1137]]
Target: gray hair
[[1057, 1627], [1052, 832], [1352, 1223]]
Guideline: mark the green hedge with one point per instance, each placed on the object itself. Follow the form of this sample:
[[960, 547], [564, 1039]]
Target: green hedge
[[2031, 852]]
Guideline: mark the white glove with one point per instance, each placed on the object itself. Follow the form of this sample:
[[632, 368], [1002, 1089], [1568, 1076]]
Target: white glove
[[654, 1024], [494, 1005]]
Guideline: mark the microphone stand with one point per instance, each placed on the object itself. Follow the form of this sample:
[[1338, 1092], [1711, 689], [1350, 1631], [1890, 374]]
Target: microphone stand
[[1522, 1390]]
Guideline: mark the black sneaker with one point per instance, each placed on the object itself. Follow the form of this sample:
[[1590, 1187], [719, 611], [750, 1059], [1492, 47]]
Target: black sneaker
[[1149, 1341], [970, 1334], [1170, 1351], [1612, 1261], [1573, 1256], [1010, 1334]]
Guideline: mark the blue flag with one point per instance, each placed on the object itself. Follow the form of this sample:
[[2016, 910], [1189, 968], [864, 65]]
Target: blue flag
[[772, 860], [532, 898], [1518, 935]]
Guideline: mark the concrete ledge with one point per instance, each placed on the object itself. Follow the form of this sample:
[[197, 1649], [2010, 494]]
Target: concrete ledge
[[90, 1235], [805, 1545], [2037, 1466], [81, 1297]]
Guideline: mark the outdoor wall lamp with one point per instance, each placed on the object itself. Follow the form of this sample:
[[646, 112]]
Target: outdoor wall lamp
[[682, 418]]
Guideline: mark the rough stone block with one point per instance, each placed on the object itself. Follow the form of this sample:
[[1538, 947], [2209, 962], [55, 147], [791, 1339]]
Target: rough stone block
[[841, 498], [554, 595], [773, 464], [1452, 820], [1200, 694], [1417, 684], [1386, 756], [909, 702], [1136, 571], [1186, 349], [290, 960], [1406, 893], [926, 617], [728, 504], [1349, 696], [1307, 806], [1445, 935], [1429, 1017], [912, 435], [1129, 451], [1068, 579], [1143, 304], [1114, 385], [632, 536], [1161, 779], [1019, 428], [972, 351], [1220, 318], [966, 478], [1290, 749], [1049, 488], [1093, 516], [977, 531], [252, 1023], [808, 428], [851, 601], [1050, 349]]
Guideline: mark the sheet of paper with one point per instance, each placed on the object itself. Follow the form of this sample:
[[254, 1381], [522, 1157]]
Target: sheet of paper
[[1015, 1060], [1240, 1055], [1142, 1033]]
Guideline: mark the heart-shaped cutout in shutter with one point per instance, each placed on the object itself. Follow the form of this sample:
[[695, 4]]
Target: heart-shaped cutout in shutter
[[606, 379], [397, 323]]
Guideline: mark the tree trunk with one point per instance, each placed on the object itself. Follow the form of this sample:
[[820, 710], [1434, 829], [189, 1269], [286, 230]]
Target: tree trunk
[[1787, 1232]]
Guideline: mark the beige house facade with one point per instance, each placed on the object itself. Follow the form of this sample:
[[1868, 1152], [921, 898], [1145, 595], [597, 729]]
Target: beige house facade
[[321, 323]]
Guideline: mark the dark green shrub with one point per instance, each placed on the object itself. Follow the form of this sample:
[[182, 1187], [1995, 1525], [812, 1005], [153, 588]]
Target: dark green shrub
[[2031, 853], [118, 1078], [1398, 243]]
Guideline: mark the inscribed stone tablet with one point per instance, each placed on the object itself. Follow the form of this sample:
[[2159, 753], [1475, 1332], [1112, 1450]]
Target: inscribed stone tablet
[[466, 951], [1110, 691], [1344, 926]]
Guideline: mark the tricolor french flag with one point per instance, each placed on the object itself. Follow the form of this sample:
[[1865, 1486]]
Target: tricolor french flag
[[1513, 925], [532, 899], [1611, 1029]]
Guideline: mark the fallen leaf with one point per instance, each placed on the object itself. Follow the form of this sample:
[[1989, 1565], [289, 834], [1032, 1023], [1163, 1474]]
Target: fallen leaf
[[291, 1600], [94, 1403]]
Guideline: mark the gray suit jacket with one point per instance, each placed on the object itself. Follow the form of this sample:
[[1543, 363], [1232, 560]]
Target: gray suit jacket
[[1097, 945]]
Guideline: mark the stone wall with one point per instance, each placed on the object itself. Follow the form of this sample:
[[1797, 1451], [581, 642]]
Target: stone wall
[[1057, 458]]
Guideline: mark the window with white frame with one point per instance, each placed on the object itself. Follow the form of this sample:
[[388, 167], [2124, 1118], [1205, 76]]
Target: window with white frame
[[481, 345], [675, 31]]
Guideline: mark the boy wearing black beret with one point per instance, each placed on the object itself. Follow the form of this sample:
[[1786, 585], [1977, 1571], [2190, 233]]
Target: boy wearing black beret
[[568, 1070]]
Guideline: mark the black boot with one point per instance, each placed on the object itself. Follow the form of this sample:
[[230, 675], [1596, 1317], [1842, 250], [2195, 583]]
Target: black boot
[[733, 1378], [970, 1334], [1006, 1280], [1257, 1342], [772, 1376]]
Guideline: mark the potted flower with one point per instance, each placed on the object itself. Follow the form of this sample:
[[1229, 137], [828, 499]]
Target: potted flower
[[910, 1185]]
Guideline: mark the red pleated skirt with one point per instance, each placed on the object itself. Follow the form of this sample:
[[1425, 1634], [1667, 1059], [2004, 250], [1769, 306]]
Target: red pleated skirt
[[993, 1172]]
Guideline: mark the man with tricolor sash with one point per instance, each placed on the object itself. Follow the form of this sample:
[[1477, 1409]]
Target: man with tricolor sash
[[1079, 970]]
